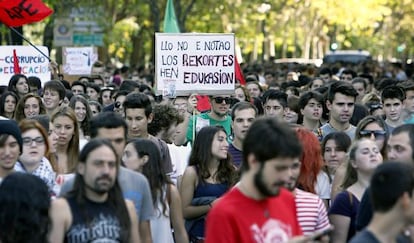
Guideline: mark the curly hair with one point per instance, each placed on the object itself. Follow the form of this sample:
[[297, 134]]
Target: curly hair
[[164, 117], [19, 111]]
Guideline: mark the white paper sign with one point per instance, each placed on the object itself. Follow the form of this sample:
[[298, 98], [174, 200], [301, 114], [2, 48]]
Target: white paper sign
[[194, 63], [78, 60], [31, 62]]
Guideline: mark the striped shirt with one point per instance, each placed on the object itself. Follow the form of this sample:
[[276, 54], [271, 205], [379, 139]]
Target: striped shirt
[[311, 212]]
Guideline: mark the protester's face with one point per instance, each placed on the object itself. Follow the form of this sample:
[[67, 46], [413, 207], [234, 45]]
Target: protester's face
[[341, 108], [53, 138], [221, 109], [317, 83], [367, 156], [220, 146], [92, 94], [137, 122], [312, 110], [9, 104], [290, 116], [77, 89], [106, 98], [392, 109], [399, 148], [80, 111], [181, 104], [239, 94], [94, 109], [294, 175], [325, 77], [64, 128], [9, 153], [242, 121], [22, 87], [131, 159], [31, 107], [333, 156], [359, 87], [377, 138], [254, 90], [272, 175], [116, 136], [99, 170], [34, 148], [409, 101], [273, 108], [119, 105], [51, 99], [346, 77]]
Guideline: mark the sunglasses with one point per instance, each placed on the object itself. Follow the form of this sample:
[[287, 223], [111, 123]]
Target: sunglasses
[[220, 100], [377, 133]]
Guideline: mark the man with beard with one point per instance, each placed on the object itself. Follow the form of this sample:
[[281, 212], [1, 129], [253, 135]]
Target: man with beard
[[258, 208], [218, 115], [10, 146], [95, 210]]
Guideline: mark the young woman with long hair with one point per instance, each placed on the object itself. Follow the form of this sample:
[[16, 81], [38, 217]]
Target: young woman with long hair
[[83, 114], [66, 127], [143, 155], [8, 102], [364, 157], [209, 175], [19, 84], [29, 106]]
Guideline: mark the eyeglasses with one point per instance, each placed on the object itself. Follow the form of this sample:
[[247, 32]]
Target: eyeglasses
[[377, 133], [220, 100], [29, 141]]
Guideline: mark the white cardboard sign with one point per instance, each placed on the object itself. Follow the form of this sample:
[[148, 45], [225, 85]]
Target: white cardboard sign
[[79, 60], [194, 63], [31, 62]]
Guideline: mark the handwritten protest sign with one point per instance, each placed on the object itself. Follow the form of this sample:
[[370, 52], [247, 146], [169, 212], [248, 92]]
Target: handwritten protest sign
[[194, 63], [79, 60], [31, 62]]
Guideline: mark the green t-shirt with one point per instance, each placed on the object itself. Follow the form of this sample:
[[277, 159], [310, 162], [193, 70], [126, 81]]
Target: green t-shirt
[[203, 120]]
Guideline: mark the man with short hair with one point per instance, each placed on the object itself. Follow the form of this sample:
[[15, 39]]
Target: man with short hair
[[11, 145], [340, 102], [360, 85], [134, 185], [78, 88], [53, 95], [391, 191], [325, 74], [258, 208], [347, 75], [310, 106], [94, 210], [392, 98], [242, 114], [138, 114], [274, 104], [218, 115], [408, 113]]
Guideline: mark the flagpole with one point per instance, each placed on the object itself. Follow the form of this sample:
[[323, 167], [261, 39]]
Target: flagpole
[[30, 43]]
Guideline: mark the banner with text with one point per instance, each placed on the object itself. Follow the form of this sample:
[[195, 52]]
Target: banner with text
[[79, 60], [194, 63], [31, 62]]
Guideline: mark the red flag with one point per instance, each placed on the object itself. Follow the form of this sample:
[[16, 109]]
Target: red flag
[[14, 13], [238, 72], [16, 66]]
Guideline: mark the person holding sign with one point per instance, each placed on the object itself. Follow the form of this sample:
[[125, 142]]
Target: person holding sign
[[218, 115]]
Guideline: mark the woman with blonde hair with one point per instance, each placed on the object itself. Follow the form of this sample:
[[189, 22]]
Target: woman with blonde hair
[[364, 157], [34, 157], [29, 106], [66, 127]]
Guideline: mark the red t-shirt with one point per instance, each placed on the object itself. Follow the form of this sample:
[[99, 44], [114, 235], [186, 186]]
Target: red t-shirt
[[237, 218]]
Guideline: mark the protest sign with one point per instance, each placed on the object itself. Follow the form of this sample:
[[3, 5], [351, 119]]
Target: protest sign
[[31, 62], [79, 60], [194, 63]]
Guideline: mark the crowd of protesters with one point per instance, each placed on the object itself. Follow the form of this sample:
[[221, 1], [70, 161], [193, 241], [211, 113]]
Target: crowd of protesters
[[105, 157]]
